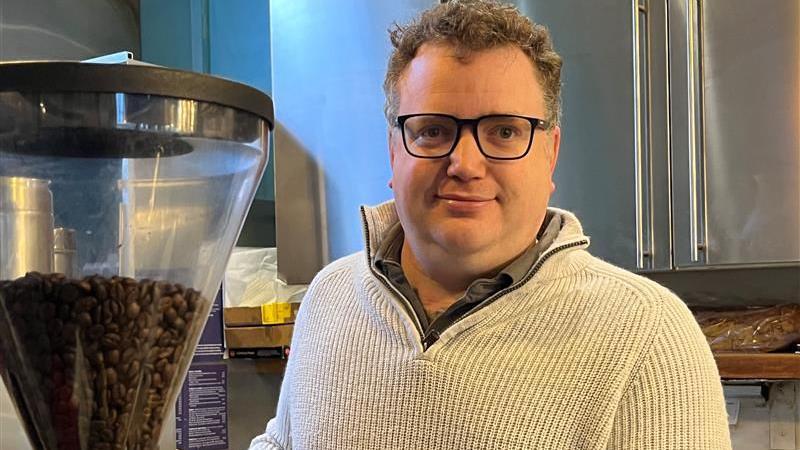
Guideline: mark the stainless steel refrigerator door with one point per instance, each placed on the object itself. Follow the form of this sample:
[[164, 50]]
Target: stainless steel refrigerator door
[[613, 168], [736, 131]]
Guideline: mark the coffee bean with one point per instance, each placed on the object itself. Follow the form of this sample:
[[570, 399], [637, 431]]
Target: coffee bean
[[157, 380], [118, 394], [110, 341], [179, 324], [133, 370], [127, 355], [161, 365], [85, 286], [97, 314], [133, 310], [165, 339], [131, 296], [84, 320], [99, 289], [180, 304], [193, 299], [164, 304], [87, 303], [166, 352], [117, 291], [169, 372], [108, 315], [170, 315]]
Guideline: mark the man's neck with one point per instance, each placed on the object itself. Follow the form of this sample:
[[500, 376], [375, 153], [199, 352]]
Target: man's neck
[[436, 296], [441, 282]]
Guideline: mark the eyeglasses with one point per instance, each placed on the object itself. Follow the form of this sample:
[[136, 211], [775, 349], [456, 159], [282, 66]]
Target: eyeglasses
[[499, 136]]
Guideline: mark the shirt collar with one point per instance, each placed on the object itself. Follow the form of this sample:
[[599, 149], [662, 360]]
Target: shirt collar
[[389, 250]]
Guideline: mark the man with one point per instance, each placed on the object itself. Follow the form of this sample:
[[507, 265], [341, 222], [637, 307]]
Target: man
[[475, 318]]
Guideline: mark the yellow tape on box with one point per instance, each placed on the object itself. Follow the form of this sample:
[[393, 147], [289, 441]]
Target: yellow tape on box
[[275, 313]]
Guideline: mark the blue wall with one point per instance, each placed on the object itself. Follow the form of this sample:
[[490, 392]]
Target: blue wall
[[329, 59], [224, 38]]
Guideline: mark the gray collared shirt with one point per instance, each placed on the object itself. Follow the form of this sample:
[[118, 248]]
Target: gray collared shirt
[[387, 262]]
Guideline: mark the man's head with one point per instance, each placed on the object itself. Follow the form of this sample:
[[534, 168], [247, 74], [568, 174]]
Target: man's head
[[471, 59], [470, 26]]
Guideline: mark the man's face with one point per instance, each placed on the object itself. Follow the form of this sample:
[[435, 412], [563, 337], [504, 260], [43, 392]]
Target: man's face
[[465, 204]]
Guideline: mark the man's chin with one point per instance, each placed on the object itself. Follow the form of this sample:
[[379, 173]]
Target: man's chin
[[464, 241]]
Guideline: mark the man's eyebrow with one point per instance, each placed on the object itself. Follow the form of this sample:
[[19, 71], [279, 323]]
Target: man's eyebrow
[[509, 112]]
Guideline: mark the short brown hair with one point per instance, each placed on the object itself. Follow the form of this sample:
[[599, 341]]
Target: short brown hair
[[474, 25]]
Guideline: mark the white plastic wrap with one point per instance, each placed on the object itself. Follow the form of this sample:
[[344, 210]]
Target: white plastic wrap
[[251, 279]]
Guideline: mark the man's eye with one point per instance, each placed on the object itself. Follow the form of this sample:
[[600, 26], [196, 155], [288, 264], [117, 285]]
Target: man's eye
[[430, 132], [506, 132]]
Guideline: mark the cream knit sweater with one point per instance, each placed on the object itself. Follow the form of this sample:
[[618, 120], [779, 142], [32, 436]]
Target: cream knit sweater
[[582, 355]]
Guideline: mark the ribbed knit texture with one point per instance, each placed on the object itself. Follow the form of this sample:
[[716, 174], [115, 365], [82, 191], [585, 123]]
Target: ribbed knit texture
[[582, 356]]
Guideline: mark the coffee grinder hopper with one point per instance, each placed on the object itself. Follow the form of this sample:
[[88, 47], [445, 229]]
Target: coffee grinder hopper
[[146, 174]]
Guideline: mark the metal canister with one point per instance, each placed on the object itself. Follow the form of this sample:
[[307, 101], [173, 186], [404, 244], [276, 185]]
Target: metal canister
[[26, 226], [65, 252]]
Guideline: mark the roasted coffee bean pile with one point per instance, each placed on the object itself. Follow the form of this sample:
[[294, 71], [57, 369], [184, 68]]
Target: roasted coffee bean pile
[[95, 358]]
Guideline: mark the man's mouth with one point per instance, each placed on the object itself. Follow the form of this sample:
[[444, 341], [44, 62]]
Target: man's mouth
[[465, 197], [461, 204]]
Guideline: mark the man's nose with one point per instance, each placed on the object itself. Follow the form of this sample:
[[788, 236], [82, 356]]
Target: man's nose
[[466, 160]]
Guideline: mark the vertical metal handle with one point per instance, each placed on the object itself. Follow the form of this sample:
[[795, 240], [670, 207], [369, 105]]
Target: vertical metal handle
[[696, 222], [641, 161]]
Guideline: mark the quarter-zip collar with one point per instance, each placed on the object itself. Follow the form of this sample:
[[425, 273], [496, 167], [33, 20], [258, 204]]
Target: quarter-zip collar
[[378, 222]]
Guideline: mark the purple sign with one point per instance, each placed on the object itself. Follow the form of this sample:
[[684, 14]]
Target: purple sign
[[211, 347], [201, 412]]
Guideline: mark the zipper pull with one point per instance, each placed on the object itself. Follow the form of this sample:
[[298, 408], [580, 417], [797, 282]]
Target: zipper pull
[[430, 338]]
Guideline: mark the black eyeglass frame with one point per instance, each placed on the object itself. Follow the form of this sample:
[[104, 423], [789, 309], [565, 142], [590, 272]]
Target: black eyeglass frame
[[535, 123]]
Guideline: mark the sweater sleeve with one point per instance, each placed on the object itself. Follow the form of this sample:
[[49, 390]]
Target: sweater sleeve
[[674, 399], [277, 436]]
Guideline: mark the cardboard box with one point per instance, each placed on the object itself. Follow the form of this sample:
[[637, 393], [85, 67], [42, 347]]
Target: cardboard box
[[267, 314], [259, 337]]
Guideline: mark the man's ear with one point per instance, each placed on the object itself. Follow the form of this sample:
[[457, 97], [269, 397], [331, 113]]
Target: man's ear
[[390, 143], [555, 144], [392, 152]]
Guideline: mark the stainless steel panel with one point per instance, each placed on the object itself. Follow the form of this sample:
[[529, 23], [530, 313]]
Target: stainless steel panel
[[686, 133], [658, 137], [65, 258], [612, 145], [751, 135], [26, 226]]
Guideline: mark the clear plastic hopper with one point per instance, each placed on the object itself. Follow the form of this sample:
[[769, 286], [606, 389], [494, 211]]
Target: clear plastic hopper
[[152, 172]]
